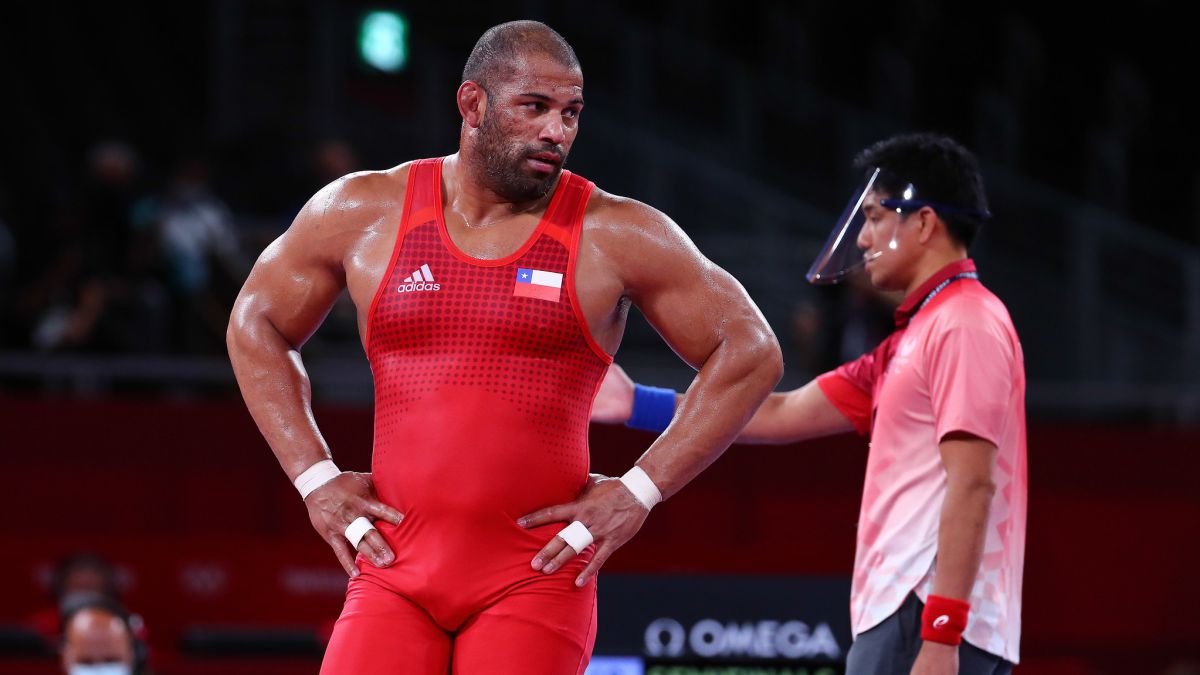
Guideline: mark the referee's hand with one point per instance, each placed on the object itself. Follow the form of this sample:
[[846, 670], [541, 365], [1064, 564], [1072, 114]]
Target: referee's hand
[[334, 505], [609, 511], [614, 400]]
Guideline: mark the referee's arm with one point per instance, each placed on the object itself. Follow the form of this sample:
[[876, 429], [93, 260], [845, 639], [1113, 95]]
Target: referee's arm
[[797, 415], [969, 461], [784, 417]]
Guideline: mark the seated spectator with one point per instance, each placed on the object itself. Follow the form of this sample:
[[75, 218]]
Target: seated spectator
[[101, 292], [203, 255], [98, 639], [76, 581]]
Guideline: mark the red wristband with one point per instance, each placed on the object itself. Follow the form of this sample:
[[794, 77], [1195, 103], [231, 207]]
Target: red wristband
[[944, 620]]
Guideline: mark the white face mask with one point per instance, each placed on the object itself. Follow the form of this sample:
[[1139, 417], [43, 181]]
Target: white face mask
[[100, 669]]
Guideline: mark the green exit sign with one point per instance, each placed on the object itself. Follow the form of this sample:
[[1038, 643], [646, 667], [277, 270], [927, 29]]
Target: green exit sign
[[383, 41]]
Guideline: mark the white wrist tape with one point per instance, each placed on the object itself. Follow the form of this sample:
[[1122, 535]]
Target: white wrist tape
[[643, 489], [577, 536], [357, 529], [315, 476]]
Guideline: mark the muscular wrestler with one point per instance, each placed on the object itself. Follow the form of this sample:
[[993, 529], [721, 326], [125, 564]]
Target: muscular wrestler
[[492, 288]]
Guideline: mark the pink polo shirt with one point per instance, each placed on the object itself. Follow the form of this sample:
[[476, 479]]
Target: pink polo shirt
[[953, 365]]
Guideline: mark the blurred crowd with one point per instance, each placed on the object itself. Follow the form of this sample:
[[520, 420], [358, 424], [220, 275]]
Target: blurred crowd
[[135, 262], [144, 254]]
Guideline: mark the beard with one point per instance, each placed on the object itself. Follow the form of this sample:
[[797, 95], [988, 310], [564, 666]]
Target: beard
[[504, 169]]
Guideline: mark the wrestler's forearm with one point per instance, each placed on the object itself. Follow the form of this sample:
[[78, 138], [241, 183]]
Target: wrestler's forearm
[[733, 382], [277, 392]]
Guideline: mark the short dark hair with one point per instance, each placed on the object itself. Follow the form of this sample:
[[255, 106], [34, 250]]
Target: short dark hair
[[83, 561], [942, 171], [98, 604], [111, 607], [500, 45]]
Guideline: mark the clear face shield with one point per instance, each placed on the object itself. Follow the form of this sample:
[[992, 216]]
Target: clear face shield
[[886, 215]]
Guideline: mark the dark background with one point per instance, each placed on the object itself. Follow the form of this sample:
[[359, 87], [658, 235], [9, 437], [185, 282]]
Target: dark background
[[737, 119]]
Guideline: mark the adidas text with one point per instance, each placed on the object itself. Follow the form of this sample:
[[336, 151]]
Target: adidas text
[[422, 286], [420, 280]]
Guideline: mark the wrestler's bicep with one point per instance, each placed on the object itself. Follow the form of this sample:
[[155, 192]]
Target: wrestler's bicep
[[690, 301], [293, 284]]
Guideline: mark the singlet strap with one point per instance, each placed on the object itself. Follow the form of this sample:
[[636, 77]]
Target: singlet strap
[[422, 194], [567, 215]]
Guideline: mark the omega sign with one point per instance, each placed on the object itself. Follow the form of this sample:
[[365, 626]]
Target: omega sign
[[709, 638]]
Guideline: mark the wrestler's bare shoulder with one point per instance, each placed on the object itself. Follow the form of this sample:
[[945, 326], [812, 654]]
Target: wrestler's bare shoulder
[[354, 213], [613, 220], [357, 200], [612, 216]]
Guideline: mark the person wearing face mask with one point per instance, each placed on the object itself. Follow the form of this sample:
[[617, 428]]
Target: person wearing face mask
[[74, 580], [941, 535], [98, 640]]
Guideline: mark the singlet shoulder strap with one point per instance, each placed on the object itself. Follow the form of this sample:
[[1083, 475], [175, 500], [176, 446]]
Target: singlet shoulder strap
[[421, 194], [566, 226], [567, 215]]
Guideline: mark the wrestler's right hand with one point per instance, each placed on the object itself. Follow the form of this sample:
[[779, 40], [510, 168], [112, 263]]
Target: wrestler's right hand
[[334, 505], [614, 401]]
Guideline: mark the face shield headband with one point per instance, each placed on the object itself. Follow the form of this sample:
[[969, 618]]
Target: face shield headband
[[841, 256]]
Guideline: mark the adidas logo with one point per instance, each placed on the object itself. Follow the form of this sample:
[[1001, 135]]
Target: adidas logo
[[419, 280]]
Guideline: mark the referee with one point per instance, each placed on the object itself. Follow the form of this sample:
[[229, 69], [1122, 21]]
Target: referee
[[941, 532]]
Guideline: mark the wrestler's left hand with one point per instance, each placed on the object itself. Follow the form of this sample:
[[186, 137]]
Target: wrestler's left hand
[[609, 511]]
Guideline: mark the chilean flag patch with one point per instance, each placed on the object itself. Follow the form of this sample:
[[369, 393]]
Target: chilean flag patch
[[538, 284]]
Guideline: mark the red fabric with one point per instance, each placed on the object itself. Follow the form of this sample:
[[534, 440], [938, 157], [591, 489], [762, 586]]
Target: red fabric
[[851, 387], [547, 627], [944, 620], [845, 395], [482, 400]]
